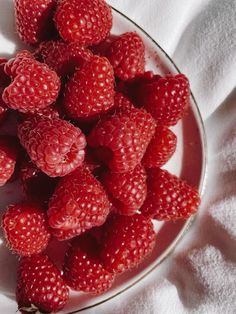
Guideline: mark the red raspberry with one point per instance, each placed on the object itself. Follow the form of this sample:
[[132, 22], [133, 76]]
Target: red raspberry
[[51, 112], [161, 148], [122, 103], [87, 22], [8, 156], [78, 203], [63, 58], [4, 81], [55, 146], [40, 287], [102, 47], [34, 19], [121, 140], [14, 65], [128, 190], [168, 197], [37, 185], [34, 87], [166, 99], [126, 55], [83, 269], [128, 241], [26, 229], [91, 90]]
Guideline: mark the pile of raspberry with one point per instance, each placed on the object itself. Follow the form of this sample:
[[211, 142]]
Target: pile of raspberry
[[92, 137]]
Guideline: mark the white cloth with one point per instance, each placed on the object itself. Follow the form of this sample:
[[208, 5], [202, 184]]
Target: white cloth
[[200, 276]]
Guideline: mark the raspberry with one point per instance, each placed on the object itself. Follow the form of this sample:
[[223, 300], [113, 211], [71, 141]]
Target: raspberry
[[128, 190], [128, 241], [63, 58], [84, 270], [26, 229], [102, 47], [78, 203], [168, 197], [13, 66], [122, 103], [87, 22], [34, 86], [121, 140], [51, 112], [40, 287], [166, 99], [126, 55], [34, 19], [8, 156], [4, 81], [37, 185], [55, 146], [161, 148], [91, 90]]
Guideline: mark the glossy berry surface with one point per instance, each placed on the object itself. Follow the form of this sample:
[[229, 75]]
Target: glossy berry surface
[[161, 148], [34, 85], [127, 190], [83, 269], [39, 283], [168, 197], [55, 146], [127, 242], [86, 21], [78, 203], [26, 229], [167, 98], [8, 157], [34, 19], [126, 55], [90, 91], [121, 140]]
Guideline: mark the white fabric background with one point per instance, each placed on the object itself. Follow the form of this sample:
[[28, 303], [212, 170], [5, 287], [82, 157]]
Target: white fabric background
[[200, 277]]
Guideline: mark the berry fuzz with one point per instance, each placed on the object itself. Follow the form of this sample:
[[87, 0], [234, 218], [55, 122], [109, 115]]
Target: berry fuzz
[[55, 146]]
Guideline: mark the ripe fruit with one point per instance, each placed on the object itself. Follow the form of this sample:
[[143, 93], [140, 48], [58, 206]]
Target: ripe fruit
[[63, 58], [121, 140], [37, 186], [168, 197], [39, 283], [126, 55], [128, 190], [78, 203], [8, 156], [128, 241], [26, 229], [91, 89], [55, 146], [166, 99], [34, 86], [122, 103], [34, 19], [161, 148], [83, 269], [4, 81], [87, 22]]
